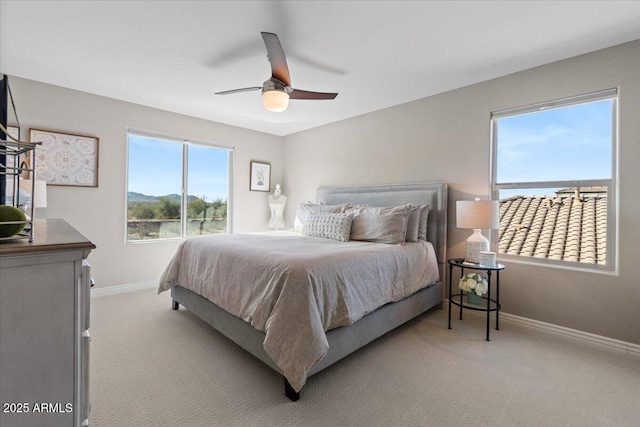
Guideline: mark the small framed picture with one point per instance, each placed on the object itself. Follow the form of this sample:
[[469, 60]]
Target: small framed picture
[[66, 159], [260, 176]]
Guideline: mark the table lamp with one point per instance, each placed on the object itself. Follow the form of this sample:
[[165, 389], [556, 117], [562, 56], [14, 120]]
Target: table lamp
[[477, 215]]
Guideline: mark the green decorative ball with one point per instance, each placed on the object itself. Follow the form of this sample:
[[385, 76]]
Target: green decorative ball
[[9, 213]]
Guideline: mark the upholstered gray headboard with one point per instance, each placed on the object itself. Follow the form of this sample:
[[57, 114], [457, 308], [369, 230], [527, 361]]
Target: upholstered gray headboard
[[433, 194]]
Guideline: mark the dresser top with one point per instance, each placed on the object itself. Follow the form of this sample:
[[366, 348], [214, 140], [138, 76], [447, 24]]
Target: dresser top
[[48, 235]]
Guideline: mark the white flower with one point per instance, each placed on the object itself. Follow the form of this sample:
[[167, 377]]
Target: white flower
[[481, 289], [473, 282]]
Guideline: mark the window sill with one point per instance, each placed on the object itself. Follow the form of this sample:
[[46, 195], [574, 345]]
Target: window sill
[[556, 264]]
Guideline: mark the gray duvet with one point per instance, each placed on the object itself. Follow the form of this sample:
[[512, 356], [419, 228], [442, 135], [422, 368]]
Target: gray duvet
[[295, 288]]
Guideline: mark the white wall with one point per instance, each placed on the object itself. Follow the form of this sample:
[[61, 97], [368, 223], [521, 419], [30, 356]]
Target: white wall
[[447, 137], [99, 213]]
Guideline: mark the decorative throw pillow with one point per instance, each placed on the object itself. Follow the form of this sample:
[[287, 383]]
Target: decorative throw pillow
[[336, 226], [380, 225], [304, 209]]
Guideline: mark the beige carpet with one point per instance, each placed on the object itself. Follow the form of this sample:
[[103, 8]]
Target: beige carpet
[[152, 366]]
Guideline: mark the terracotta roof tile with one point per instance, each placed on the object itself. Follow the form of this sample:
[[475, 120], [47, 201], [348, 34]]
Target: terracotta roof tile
[[559, 227]]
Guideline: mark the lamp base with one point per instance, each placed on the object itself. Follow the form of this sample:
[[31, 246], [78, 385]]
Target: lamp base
[[476, 243]]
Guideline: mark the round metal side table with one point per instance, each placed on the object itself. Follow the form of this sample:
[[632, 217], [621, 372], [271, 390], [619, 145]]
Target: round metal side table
[[488, 304]]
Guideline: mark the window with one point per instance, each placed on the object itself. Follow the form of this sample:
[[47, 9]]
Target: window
[[176, 188], [553, 170]]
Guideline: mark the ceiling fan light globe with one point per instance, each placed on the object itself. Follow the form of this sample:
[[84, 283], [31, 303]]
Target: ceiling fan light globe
[[275, 100]]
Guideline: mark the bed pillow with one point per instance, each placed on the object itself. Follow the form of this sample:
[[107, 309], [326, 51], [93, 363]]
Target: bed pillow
[[424, 218], [380, 225], [413, 224], [336, 226], [304, 209]]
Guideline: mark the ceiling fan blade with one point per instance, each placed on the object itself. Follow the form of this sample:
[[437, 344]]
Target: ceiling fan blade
[[305, 94], [279, 69], [246, 89]]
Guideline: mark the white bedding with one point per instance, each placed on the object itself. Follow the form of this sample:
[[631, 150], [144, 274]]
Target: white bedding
[[295, 288]]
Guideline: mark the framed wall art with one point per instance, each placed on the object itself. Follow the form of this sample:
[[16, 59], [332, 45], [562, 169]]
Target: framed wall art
[[66, 159], [14, 131], [260, 176]]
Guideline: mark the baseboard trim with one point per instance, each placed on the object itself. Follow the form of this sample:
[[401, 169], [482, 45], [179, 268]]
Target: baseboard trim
[[626, 347], [121, 289]]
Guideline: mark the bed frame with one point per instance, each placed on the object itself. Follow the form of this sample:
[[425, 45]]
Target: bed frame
[[345, 340]]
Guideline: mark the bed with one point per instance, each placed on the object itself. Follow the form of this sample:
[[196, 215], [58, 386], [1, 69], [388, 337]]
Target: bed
[[301, 303]]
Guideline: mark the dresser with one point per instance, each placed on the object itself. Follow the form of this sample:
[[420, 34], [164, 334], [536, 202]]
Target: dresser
[[44, 328]]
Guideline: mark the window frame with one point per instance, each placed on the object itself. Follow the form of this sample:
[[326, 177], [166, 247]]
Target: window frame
[[611, 265], [185, 142]]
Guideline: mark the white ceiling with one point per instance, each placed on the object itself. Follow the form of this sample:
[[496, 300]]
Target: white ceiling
[[174, 55]]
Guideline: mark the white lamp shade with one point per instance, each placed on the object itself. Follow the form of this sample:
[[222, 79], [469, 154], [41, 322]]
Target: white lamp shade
[[275, 100], [478, 214], [39, 198]]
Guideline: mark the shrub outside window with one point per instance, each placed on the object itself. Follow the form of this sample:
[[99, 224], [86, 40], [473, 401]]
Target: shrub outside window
[[176, 188]]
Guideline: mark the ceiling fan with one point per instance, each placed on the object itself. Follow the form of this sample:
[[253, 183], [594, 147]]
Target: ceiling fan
[[277, 90]]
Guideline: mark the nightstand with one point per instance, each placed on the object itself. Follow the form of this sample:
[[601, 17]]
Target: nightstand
[[488, 304]]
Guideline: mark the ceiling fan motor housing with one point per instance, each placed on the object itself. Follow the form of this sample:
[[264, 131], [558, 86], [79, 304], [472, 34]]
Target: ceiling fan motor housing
[[275, 84]]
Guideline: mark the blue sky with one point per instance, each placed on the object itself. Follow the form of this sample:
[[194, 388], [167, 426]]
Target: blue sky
[[155, 168], [557, 144]]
